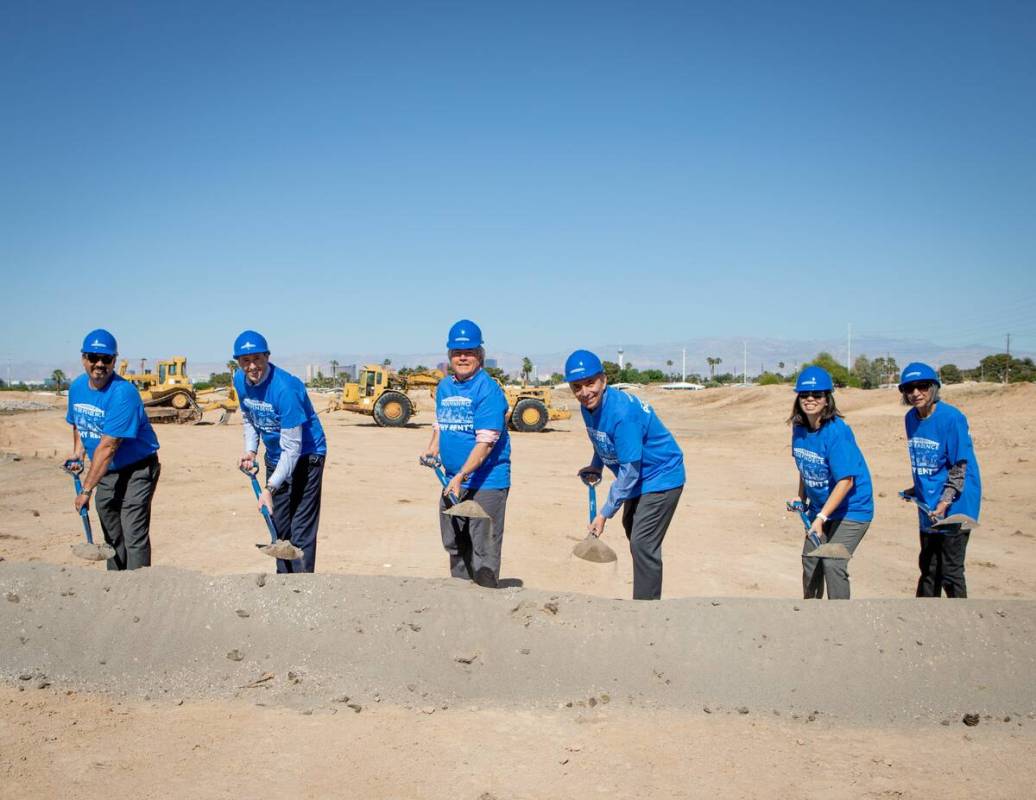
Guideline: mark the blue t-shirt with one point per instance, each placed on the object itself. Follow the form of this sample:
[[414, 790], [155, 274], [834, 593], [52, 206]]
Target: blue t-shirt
[[935, 444], [461, 408], [280, 401], [116, 411], [624, 429], [825, 457]]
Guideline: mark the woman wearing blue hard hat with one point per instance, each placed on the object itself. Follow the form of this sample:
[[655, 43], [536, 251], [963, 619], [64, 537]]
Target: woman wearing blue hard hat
[[469, 437], [629, 438], [834, 482], [946, 481]]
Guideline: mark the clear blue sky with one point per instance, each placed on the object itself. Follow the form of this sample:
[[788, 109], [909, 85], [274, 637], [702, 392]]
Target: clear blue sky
[[355, 176]]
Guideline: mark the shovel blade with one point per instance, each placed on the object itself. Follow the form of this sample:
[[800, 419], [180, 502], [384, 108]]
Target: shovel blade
[[93, 552], [593, 549], [466, 508], [281, 549], [957, 519], [831, 550]]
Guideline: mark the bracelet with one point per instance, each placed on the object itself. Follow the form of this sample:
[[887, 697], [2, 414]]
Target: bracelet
[[87, 492], [822, 517]]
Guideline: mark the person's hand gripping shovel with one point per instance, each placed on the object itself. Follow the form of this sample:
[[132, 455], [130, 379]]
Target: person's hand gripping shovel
[[86, 550], [592, 548], [457, 507], [277, 548], [953, 519], [821, 547]]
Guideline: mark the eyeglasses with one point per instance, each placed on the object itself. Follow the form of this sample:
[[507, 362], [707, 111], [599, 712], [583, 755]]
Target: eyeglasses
[[813, 395], [93, 358], [921, 386]]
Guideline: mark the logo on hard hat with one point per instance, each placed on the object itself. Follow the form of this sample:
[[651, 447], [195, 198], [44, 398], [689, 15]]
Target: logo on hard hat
[[247, 346], [96, 343], [811, 382], [912, 374]]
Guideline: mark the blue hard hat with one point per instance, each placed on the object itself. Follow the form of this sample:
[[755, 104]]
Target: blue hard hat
[[249, 343], [100, 341], [582, 364], [918, 372], [815, 379], [464, 335]]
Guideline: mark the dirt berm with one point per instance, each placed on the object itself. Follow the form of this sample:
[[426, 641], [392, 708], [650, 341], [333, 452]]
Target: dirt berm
[[305, 641]]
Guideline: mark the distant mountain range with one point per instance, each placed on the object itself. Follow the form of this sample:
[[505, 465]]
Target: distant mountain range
[[763, 354]]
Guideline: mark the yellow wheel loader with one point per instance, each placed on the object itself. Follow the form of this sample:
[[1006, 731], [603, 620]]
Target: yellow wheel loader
[[383, 394]]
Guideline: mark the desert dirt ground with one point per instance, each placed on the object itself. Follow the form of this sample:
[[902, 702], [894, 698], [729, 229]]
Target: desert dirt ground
[[731, 539]]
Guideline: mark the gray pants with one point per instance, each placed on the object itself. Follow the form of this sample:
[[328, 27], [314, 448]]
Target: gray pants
[[834, 570], [474, 545], [646, 520], [123, 503]]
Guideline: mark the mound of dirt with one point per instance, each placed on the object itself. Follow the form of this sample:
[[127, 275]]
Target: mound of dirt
[[305, 641]]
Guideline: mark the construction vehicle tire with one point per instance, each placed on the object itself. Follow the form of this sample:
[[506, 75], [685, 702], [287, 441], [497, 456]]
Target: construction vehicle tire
[[180, 400], [393, 410], [529, 416]]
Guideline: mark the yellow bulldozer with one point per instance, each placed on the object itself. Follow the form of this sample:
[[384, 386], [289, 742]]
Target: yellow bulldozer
[[169, 395], [383, 394]]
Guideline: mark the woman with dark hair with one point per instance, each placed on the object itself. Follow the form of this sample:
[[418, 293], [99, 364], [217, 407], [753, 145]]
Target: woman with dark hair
[[946, 480], [834, 482]]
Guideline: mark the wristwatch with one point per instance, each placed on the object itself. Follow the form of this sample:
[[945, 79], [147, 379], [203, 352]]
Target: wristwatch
[[87, 492]]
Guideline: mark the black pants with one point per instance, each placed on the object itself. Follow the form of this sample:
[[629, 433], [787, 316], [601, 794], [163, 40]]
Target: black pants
[[123, 503], [296, 511], [942, 563], [646, 519]]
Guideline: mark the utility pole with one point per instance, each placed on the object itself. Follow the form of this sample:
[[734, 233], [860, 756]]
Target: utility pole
[[849, 351], [1007, 365]]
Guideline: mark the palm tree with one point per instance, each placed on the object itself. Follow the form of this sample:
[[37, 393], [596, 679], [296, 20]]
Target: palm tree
[[669, 363], [334, 371], [387, 362], [232, 367], [713, 362], [59, 378], [526, 369]]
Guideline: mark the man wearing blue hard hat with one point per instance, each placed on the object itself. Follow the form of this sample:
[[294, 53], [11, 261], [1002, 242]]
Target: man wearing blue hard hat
[[946, 481], [276, 409], [110, 427], [470, 438], [629, 438]]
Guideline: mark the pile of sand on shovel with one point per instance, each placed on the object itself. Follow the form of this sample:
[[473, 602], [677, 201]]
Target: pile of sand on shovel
[[281, 549], [93, 552], [466, 508]]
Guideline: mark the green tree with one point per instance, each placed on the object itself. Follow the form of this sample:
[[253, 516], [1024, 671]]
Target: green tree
[[387, 362], [768, 379], [496, 372], [713, 363], [611, 371], [950, 373], [232, 366], [526, 369], [839, 374], [59, 379], [556, 378], [669, 363], [219, 379]]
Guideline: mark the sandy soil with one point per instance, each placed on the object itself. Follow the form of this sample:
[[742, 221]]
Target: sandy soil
[[731, 539]]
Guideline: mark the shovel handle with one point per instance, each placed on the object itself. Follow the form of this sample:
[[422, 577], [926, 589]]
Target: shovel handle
[[807, 523], [436, 466], [258, 493], [592, 491], [84, 515]]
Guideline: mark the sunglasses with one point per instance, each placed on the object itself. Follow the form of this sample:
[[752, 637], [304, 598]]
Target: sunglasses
[[922, 386], [813, 395], [93, 358]]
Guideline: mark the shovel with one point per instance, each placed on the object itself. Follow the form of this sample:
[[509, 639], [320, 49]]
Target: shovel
[[277, 548], [86, 550], [953, 519], [467, 508], [591, 548], [821, 549]]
